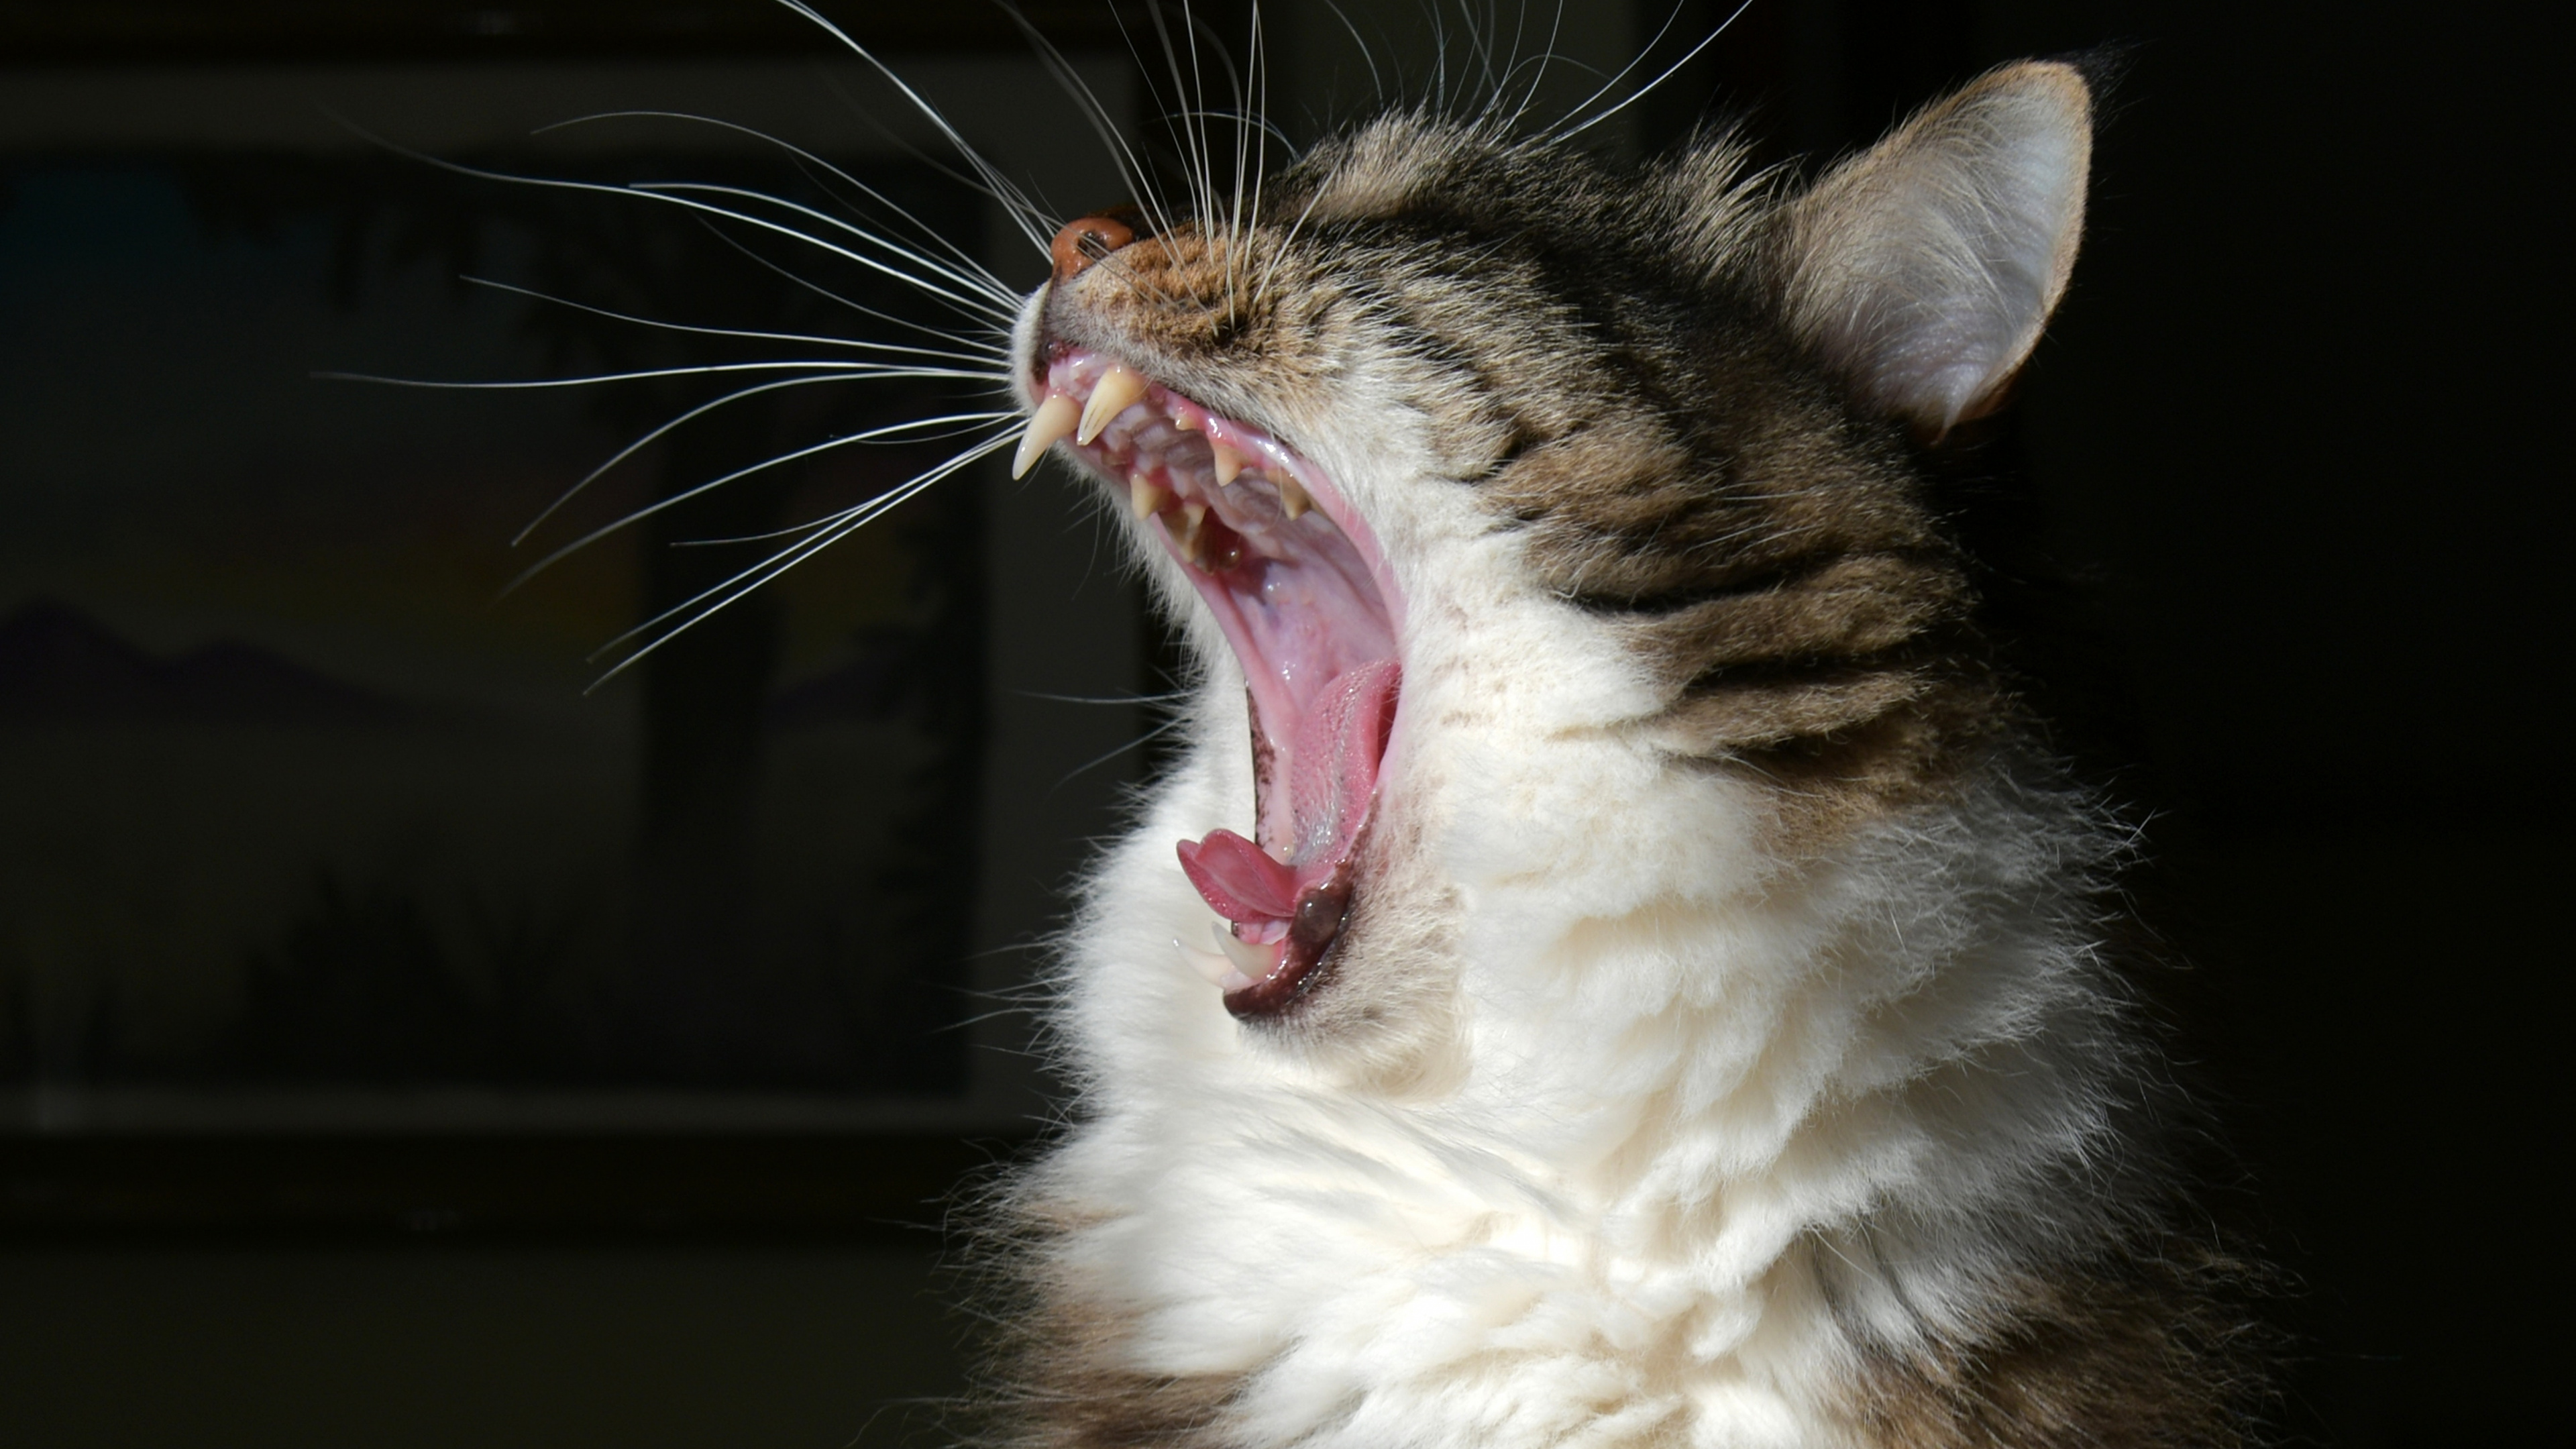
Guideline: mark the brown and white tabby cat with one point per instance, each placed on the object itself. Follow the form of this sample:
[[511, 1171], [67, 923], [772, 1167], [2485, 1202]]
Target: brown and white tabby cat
[[1613, 964]]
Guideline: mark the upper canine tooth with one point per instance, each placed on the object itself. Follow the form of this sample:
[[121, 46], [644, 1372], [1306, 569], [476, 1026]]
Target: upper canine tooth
[[1292, 498], [1145, 495], [1119, 387], [1229, 463], [1055, 418]]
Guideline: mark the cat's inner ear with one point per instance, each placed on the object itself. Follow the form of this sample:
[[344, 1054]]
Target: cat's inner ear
[[1925, 267]]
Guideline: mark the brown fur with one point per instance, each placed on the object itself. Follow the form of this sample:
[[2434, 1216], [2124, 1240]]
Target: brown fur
[[1057, 1374], [2133, 1352]]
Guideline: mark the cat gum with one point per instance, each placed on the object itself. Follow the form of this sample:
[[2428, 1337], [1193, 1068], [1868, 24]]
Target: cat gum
[[1301, 591]]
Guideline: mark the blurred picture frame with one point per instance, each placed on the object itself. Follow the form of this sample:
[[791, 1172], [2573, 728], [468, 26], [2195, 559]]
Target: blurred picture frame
[[330, 842]]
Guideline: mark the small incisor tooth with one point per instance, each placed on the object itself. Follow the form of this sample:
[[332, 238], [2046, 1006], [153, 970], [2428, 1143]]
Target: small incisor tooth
[[1293, 500], [1054, 419], [1119, 388], [1229, 463], [1190, 537], [1145, 495]]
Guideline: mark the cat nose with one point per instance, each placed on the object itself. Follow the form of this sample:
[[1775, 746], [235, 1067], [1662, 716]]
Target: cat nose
[[1086, 239]]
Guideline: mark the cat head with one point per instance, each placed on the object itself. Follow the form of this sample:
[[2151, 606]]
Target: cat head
[[1510, 483]]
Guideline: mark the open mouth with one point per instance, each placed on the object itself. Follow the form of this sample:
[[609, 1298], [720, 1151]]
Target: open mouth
[[1300, 590]]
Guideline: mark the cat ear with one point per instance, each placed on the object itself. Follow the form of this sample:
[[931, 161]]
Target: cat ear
[[1925, 267]]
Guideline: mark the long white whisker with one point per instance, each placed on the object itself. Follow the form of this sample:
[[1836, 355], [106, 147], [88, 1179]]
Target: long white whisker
[[1641, 92], [932, 234], [972, 303], [810, 339], [1377, 84], [1250, 150], [991, 290], [975, 159], [1193, 151], [1096, 761], [787, 558], [1029, 220], [676, 499], [1096, 115], [982, 307], [853, 369], [648, 439], [1538, 72], [1280, 252], [993, 339]]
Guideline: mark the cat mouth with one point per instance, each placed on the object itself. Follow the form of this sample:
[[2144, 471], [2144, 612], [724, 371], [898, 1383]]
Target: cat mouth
[[1299, 588]]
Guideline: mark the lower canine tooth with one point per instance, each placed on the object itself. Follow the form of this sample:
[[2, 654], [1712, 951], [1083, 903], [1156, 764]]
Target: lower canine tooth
[[1292, 498], [1229, 463], [1119, 387], [1208, 964], [1189, 536], [1146, 496], [1055, 418], [1255, 962]]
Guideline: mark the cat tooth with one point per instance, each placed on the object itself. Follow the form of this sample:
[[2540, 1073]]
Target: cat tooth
[[1293, 499], [1185, 422], [1055, 418], [1190, 537], [1145, 496], [1255, 962], [1119, 388], [1229, 463], [1209, 965]]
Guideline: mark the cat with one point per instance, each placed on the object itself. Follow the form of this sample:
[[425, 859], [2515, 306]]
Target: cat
[[1613, 963]]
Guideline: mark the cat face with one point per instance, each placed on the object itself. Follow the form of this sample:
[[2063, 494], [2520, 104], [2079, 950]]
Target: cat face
[[1487, 468]]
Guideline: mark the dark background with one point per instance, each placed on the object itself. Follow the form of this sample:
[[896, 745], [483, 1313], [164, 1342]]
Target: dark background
[[2289, 495]]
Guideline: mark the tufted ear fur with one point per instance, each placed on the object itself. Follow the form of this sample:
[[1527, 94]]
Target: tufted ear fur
[[1925, 267]]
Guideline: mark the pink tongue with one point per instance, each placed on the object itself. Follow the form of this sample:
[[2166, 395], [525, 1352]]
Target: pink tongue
[[1332, 771]]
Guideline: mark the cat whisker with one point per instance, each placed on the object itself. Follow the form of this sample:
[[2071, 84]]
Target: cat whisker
[[1028, 217], [973, 302], [992, 176], [827, 445], [977, 306], [1096, 115], [1192, 140], [931, 234], [993, 356], [979, 285], [751, 578], [1096, 761], [852, 369], [1566, 133], [655, 435], [992, 340]]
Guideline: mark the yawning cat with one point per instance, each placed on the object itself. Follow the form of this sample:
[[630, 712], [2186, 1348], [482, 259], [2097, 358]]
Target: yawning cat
[[1612, 964]]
